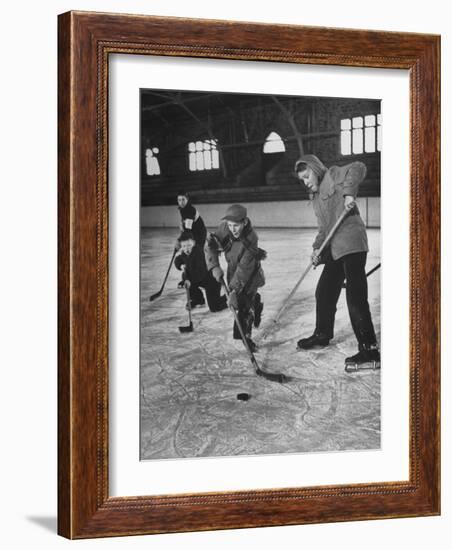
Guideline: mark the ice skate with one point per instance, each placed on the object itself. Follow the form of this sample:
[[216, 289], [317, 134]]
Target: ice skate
[[316, 340], [368, 358]]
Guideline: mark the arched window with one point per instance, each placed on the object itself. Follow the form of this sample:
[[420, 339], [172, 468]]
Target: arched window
[[274, 144], [152, 163]]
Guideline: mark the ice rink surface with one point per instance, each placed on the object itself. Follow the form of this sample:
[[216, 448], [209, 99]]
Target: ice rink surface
[[190, 382]]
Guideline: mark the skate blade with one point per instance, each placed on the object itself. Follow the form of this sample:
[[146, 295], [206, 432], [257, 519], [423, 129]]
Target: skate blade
[[355, 367], [313, 348]]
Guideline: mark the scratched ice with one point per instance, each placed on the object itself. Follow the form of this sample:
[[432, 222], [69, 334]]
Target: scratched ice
[[190, 382]]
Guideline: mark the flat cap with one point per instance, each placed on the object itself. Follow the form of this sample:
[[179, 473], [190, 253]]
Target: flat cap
[[235, 213]]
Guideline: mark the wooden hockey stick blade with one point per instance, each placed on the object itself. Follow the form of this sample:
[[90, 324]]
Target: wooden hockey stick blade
[[156, 295], [272, 376], [188, 328]]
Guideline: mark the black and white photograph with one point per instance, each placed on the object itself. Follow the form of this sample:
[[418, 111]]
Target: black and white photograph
[[224, 235], [260, 274]]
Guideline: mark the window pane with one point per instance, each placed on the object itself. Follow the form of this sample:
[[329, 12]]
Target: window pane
[[199, 146], [215, 159], [346, 143], [192, 161], [357, 122], [358, 141], [155, 168], [207, 160], [379, 119], [152, 163], [191, 147], [369, 120], [148, 161], [199, 160], [346, 124], [379, 134], [369, 140]]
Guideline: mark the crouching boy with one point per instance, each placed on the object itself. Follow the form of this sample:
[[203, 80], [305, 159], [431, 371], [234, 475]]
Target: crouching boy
[[192, 262], [236, 237]]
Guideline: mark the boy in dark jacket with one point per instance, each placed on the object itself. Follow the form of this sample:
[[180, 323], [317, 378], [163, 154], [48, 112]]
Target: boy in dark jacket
[[236, 237], [331, 191], [192, 262], [190, 219]]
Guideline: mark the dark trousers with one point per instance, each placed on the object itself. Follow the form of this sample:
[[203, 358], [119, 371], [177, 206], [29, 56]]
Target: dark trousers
[[213, 289], [352, 269], [245, 314], [199, 232]]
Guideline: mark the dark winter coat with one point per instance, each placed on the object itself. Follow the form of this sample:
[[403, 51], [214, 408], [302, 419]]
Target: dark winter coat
[[244, 273], [328, 205], [192, 221], [195, 270]]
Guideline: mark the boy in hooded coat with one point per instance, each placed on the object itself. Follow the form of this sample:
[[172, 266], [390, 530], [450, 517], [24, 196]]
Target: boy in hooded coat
[[345, 257]]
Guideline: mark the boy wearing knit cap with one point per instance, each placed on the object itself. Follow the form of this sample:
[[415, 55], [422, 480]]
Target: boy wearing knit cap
[[236, 237], [332, 189]]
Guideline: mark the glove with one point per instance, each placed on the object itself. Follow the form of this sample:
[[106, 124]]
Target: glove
[[315, 258], [181, 283], [187, 283], [349, 202], [232, 300], [218, 273], [177, 245]]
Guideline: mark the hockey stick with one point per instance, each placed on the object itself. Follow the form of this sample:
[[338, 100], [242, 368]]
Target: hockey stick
[[367, 274], [306, 271], [188, 328], [274, 377], [157, 294]]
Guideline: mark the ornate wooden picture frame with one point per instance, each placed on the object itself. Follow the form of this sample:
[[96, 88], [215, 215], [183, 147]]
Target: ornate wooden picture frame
[[86, 40]]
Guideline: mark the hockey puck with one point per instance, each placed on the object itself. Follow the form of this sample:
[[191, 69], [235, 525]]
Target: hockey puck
[[243, 396]]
